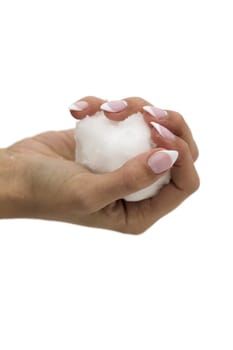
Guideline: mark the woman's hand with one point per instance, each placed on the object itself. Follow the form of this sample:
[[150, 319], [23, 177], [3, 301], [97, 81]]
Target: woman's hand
[[45, 182]]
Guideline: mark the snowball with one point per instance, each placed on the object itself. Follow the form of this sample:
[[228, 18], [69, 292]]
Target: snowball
[[104, 145]]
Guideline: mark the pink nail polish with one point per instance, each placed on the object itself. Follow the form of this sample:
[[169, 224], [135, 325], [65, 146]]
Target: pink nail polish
[[79, 106], [156, 112], [114, 106], [162, 160], [164, 132]]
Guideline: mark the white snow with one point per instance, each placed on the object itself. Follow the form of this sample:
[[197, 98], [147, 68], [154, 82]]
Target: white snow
[[104, 145]]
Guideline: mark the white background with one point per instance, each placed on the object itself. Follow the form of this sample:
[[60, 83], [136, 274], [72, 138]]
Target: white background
[[69, 287]]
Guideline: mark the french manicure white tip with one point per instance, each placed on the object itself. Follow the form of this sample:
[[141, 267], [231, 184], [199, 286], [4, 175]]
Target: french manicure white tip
[[156, 112], [149, 110], [114, 106], [164, 132], [105, 107], [157, 127], [74, 107], [172, 154]]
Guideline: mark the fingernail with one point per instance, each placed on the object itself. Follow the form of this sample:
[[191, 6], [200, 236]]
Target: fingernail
[[162, 161], [156, 112], [114, 106], [79, 106], [164, 132]]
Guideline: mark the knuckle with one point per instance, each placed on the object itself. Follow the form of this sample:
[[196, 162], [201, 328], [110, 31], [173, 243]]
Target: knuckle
[[194, 185], [89, 97], [92, 100], [195, 154], [183, 148], [139, 230], [138, 100], [135, 230], [180, 122], [179, 117]]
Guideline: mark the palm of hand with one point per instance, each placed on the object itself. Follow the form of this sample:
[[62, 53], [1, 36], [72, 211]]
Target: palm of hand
[[60, 186]]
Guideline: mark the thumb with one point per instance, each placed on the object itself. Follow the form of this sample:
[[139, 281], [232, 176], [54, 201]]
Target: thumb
[[134, 175]]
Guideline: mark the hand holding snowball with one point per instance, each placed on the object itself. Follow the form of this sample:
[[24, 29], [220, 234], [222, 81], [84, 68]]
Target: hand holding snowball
[[47, 183]]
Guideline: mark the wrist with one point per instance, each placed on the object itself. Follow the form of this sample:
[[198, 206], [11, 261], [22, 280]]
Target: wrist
[[14, 199]]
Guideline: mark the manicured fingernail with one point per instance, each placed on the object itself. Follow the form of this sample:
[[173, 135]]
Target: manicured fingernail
[[114, 106], [162, 160], [79, 106], [156, 112], [164, 132]]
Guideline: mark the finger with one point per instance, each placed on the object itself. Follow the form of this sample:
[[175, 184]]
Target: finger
[[114, 110], [136, 174], [174, 122], [184, 182], [88, 105], [163, 137], [121, 109]]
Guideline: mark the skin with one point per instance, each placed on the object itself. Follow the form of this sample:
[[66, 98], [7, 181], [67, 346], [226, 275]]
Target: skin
[[39, 178]]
